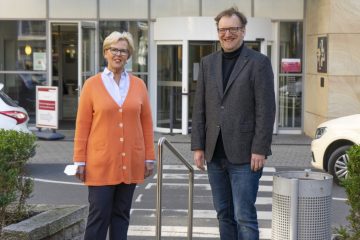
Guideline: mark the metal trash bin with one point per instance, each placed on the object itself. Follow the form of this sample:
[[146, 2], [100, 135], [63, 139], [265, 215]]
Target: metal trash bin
[[301, 208]]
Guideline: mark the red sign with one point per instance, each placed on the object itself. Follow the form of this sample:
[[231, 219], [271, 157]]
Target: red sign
[[46, 105], [44, 89], [290, 65]]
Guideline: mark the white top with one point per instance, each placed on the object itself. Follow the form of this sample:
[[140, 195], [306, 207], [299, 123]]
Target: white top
[[117, 91]]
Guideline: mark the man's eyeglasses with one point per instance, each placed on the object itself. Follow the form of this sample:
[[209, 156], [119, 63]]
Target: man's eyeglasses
[[121, 52], [232, 30]]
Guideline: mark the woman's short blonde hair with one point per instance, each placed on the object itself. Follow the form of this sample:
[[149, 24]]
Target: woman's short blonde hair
[[115, 37]]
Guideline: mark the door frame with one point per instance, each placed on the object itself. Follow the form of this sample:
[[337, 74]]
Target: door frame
[[80, 25], [90, 25], [183, 86]]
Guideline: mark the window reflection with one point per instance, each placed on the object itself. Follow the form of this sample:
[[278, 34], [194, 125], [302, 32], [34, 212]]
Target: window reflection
[[22, 89], [20, 44], [23, 50]]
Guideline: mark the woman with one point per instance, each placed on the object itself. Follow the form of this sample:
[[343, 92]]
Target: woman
[[113, 140]]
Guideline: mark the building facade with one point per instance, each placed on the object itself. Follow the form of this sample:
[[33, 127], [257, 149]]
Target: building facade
[[59, 43]]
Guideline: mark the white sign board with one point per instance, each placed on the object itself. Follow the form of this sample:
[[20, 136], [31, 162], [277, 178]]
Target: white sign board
[[39, 61], [47, 107]]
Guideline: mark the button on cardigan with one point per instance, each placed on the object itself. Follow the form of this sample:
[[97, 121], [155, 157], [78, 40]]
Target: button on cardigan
[[113, 140]]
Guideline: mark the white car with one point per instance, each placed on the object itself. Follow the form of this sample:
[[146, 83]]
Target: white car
[[332, 139], [12, 117]]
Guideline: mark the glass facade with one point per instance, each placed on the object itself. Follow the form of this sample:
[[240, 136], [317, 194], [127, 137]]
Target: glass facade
[[75, 51], [23, 60]]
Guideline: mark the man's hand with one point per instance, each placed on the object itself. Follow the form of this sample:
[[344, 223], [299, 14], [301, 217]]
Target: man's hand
[[80, 174], [149, 169], [257, 162], [199, 159]]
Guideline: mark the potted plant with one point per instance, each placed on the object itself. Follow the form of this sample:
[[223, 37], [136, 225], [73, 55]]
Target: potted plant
[[16, 148]]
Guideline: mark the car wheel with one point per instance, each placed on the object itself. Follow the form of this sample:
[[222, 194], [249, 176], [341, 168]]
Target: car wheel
[[338, 162]]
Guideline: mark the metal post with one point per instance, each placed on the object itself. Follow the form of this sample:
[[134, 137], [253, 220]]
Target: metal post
[[190, 204], [294, 208], [161, 142], [159, 189], [171, 117]]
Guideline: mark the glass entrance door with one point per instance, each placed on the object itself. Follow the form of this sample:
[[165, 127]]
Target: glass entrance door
[[64, 55], [290, 78], [73, 60], [169, 84]]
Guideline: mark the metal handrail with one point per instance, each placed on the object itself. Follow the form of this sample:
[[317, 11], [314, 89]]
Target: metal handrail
[[161, 142]]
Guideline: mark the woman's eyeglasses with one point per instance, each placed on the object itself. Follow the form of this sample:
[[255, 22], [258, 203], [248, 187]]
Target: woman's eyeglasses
[[121, 52]]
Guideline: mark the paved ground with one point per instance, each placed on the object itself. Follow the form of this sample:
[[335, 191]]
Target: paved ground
[[288, 150]]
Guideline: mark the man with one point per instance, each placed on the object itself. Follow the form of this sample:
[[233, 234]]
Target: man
[[233, 117]]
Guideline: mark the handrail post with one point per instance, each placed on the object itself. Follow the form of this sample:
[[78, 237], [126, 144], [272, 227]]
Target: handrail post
[[159, 189], [162, 141], [190, 204]]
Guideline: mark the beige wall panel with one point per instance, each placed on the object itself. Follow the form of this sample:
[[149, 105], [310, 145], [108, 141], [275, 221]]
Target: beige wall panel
[[279, 9], [20, 9], [124, 9], [316, 97], [174, 8], [310, 53], [317, 16], [79, 9], [345, 16], [344, 54], [211, 8], [316, 103], [344, 96]]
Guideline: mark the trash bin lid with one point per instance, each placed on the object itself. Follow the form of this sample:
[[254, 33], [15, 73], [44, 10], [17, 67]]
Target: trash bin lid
[[303, 175]]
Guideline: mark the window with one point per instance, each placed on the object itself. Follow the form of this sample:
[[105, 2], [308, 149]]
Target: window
[[23, 53], [22, 42]]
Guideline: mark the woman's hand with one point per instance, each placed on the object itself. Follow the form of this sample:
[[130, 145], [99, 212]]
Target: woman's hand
[[80, 174], [149, 169]]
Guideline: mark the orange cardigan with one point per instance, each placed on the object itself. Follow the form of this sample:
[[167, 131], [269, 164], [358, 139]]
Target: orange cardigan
[[114, 141]]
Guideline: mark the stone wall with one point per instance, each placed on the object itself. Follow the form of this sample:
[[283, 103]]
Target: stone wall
[[50, 223]]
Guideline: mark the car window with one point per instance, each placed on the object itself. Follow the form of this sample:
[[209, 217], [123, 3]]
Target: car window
[[7, 99]]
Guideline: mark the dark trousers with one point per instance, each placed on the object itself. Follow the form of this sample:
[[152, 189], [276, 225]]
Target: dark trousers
[[109, 208]]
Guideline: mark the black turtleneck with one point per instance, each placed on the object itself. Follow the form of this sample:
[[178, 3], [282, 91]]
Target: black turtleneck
[[228, 62]]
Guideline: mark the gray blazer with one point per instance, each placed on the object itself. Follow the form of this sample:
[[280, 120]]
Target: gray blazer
[[245, 111]]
